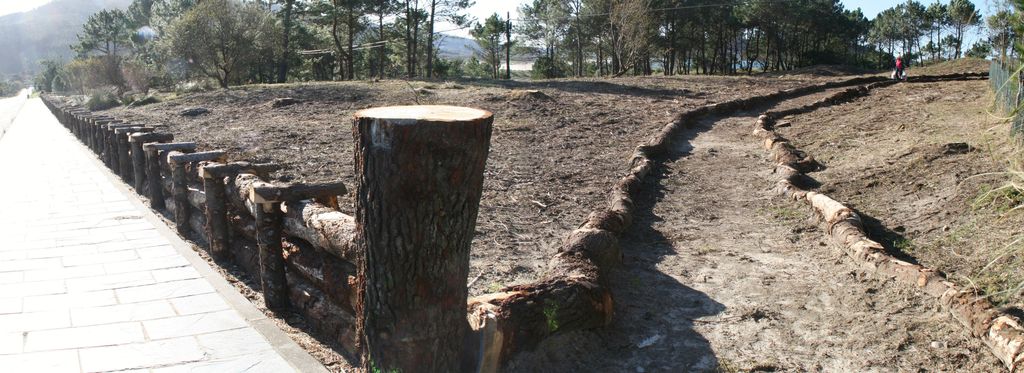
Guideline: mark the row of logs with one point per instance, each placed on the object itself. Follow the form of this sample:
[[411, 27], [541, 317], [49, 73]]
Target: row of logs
[[574, 292], [1001, 331], [194, 187]]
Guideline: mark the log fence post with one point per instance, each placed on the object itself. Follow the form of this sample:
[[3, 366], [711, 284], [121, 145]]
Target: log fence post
[[153, 175], [419, 179], [271, 255], [178, 163], [92, 129], [268, 199], [112, 157], [139, 156], [124, 150], [213, 175]]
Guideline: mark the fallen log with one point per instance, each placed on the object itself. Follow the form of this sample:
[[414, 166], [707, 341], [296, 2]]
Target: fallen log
[[323, 227]]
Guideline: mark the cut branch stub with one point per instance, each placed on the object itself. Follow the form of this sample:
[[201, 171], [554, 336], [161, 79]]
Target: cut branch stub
[[419, 172]]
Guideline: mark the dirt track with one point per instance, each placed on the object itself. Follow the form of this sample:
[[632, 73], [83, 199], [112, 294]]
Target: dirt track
[[720, 274]]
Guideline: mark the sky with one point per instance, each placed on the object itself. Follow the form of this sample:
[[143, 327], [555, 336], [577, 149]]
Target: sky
[[17, 6]]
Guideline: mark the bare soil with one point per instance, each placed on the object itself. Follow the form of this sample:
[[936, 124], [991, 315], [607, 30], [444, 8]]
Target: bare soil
[[554, 153], [722, 275], [921, 162], [719, 274]]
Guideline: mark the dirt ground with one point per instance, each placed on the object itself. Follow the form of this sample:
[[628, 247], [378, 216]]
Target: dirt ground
[[722, 275], [554, 155], [921, 161], [719, 274]]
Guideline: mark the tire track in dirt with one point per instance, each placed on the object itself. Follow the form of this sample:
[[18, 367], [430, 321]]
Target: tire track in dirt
[[720, 275]]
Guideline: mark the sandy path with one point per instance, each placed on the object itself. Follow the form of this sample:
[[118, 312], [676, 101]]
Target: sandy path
[[720, 274]]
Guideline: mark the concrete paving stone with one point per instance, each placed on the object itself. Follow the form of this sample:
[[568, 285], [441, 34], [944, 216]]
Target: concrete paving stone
[[14, 255], [25, 289], [58, 252], [10, 305], [164, 290], [103, 258], [11, 277], [64, 272], [156, 252], [147, 264], [11, 343], [179, 326], [121, 313], [203, 303], [86, 239], [27, 264], [136, 235], [174, 274], [265, 362], [122, 228], [131, 244], [84, 336], [48, 362], [69, 300], [225, 344], [29, 321], [27, 244], [168, 352], [115, 281]]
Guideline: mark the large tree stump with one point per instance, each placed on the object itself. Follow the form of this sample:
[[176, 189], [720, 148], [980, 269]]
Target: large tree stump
[[419, 172]]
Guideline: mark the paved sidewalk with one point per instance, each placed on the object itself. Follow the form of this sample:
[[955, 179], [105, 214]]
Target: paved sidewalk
[[92, 281]]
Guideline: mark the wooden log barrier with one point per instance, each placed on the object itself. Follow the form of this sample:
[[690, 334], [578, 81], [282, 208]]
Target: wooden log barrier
[[124, 150], [271, 254], [111, 155], [139, 156], [153, 174], [213, 175], [179, 162], [419, 172], [323, 227]]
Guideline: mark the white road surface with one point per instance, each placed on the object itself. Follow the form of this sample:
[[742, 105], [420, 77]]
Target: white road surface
[[9, 108]]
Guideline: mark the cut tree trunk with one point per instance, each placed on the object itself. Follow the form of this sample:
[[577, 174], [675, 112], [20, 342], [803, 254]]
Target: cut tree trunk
[[419, 180]]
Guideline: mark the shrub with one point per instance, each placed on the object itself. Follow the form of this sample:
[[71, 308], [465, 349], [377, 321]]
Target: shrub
[[138, 77], [102, 99], [547, 68]]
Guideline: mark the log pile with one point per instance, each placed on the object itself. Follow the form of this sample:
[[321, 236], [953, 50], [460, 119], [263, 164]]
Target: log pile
[[1000, 331]]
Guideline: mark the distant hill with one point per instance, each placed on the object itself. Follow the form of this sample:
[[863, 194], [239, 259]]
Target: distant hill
[[45, 32], [457, 47]]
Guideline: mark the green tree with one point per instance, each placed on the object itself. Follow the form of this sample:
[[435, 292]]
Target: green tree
[[962, 16], [447, 11], [221, 39], [938, 18], [488, 36], [104, 32]]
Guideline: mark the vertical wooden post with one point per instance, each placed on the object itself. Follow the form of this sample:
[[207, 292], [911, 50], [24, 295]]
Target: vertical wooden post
[[216, 213], [154, 151], [179, 193], [124, 165], [419, 178], [139, 156], [156, 191], [271, 254]]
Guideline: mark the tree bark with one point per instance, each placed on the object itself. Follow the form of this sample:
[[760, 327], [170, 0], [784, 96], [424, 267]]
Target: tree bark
[[419, 181], [282, 70]]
